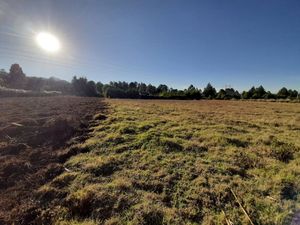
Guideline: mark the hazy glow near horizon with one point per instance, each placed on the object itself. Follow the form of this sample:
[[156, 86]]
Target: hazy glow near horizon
[[48, 42]]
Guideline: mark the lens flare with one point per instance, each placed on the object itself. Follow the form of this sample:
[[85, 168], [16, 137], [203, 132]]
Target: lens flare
[[48, 42]]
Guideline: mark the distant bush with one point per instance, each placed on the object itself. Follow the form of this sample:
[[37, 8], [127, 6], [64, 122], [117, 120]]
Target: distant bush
[[82, 87], [261, 93], [228, 93]]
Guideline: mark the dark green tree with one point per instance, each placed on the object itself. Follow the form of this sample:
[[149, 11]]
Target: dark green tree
[[133, 85], [151, 90], [142, 88], [259, 92], [192, 93], [16, 78], [269, 95], [82, 87], [283, 93], [293, 94], [162, 88], [99, 87], [221, 94], [228, 93], [209, 91]]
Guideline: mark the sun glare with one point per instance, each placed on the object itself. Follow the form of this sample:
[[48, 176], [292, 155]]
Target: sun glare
[[48, 42]]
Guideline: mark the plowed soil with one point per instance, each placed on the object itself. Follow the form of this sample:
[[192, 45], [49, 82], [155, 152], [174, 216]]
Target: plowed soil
[[35, 138]]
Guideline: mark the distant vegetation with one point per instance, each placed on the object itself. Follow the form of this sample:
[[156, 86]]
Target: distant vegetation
[[81, 86], [16, 79], [141, 90]]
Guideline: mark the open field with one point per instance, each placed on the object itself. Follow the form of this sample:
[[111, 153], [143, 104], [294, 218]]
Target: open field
[[174, 162], [179, 162], [35, 135]]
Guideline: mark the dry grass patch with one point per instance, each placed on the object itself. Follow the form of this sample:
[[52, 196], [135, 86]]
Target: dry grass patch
[[178, 162]]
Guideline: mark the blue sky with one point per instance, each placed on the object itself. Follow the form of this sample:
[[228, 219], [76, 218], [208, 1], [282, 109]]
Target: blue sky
[[234, 42]]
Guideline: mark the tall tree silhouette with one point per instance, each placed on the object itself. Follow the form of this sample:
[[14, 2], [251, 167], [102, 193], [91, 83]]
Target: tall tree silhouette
[[16, 78]]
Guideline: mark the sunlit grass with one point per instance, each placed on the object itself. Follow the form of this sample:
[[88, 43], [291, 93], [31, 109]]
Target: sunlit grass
[[177, 162]]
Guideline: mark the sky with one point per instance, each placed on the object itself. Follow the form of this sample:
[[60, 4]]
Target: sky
[[174, 42]]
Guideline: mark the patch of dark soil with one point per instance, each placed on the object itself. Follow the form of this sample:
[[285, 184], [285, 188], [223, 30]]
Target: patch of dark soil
[[36, 137], [13, 149]]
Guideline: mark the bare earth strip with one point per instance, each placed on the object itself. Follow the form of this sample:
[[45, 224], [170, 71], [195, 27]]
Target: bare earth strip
[[35, 138]]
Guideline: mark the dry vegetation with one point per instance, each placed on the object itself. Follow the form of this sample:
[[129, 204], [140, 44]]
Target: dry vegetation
[[179, 162]]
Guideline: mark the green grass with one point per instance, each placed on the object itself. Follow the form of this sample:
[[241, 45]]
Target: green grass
[[177, 162]]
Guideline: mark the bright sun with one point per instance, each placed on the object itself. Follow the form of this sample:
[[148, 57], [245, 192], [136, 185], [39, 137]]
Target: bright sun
[[48, 42]]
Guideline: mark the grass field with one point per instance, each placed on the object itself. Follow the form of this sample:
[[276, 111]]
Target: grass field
[[182, 162]]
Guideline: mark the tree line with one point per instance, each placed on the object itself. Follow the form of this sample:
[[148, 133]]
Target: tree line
[[81, 86], [136, 90]]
